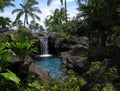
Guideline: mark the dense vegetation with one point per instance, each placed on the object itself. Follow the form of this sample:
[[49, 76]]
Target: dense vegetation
[[99, 20]]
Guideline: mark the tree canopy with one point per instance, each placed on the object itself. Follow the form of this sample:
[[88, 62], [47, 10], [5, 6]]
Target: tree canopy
[[28, 8]]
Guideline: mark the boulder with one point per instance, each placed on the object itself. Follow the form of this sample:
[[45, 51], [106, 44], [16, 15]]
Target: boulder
[[28, 60], [15, 59], [73, 59], [55, 41], [84, 41], [36, 70], [27, 68], [39, 73], [77, 49], [58, 44], [77, 63]]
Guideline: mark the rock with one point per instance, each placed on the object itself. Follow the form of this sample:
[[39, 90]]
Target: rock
[[39, 73], [36, 35], [84, 41], [28, 60], [58, 44], [77, 49], [35, 69], [15, 59], [27, 68], [77, 63], [54, 42], [6, 33], [73, 60]]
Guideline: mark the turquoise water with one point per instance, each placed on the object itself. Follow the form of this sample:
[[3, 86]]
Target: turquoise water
[[52, 65]]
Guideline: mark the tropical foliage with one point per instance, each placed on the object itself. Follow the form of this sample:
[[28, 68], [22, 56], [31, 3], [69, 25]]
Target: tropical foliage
[[36, 27], [22, 45], [27, 9], [4, 23], [100, 16], [7, 77], [5, 3], [99, 20], [55, 21], [61, 1], [65, 2]]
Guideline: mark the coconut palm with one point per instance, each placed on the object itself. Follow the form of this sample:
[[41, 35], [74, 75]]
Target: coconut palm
[[65, 2], [55, 21], [4, 23], [5, 3], [61, 1], [27, 9], [57, 18]]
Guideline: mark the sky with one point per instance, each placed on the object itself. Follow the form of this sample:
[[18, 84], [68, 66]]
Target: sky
[[46, 10]]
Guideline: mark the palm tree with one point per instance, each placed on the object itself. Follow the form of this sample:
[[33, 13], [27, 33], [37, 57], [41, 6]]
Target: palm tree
[[61, 1], [27, 9], [18, 24], [54, 21], [5, 3], [57, 17]]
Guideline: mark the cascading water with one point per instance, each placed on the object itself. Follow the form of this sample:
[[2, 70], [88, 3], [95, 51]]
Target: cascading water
[[48, 62], [43, 40], [44, 45]]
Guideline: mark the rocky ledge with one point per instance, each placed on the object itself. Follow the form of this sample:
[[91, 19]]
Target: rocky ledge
[[28, 68], [70, 50]]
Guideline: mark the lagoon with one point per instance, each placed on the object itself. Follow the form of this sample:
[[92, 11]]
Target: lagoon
[[53, 65]]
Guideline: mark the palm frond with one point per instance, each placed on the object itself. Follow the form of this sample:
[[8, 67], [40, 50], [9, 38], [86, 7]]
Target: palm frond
[[16, 10], [8, 3], [28, 9], [61, 2], [49, 2], [22, 5], [18, 16], [34, 15], [35, 9]]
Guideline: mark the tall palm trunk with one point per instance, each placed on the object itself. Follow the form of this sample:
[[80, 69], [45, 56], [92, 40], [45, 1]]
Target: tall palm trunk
[[65, 11], [24, 20]]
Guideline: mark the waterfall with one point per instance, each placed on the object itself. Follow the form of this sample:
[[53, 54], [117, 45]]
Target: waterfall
[[43, 45]]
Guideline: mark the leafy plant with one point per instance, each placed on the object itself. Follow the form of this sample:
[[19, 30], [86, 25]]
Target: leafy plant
[[5, 54], [108, 87], [65, 35], [94, 68], [5, 3], [6, 76], [116, 36], [22, 45], [4, 23], [10, 76]]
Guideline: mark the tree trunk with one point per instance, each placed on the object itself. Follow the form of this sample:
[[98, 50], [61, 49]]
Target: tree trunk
[[65, 11], [24, 21], [103, 38]]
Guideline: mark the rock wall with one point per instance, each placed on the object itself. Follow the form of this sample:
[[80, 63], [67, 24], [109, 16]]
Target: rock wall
[[69, 50]]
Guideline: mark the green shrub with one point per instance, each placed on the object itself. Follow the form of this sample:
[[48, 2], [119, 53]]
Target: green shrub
[[8, 79], [21, 44]]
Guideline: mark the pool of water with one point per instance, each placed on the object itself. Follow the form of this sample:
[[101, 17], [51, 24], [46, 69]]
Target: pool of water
[[52, 65]]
